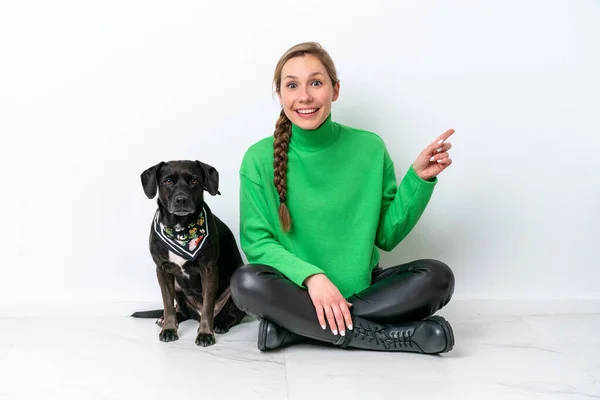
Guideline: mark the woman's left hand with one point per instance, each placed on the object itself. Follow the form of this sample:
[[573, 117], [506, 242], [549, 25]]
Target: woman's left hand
[[435, 158]]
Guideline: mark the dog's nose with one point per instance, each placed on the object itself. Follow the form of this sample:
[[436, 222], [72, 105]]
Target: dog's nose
[[181, 201]]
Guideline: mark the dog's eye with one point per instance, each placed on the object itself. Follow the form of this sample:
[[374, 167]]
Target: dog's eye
[[168, 181], [194, 181]]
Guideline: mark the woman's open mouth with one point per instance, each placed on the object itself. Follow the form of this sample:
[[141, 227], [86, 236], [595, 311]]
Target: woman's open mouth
[[307, 112]]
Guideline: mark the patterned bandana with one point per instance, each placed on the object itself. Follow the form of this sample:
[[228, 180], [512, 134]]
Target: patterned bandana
[[187, 241]]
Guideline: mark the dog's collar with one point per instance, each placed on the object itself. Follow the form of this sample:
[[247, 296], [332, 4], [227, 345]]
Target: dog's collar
[[186, 242]]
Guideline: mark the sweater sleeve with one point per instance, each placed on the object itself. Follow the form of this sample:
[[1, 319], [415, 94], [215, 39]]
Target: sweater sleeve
[[258, 240], [402, 206]]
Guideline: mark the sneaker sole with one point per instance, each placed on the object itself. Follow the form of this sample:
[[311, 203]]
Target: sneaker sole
[[447, 330]]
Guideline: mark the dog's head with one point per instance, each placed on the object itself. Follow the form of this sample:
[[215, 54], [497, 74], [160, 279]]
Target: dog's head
[[180, 184]]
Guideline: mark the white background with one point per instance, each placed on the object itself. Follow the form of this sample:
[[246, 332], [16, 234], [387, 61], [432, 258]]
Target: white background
[[93, 93]]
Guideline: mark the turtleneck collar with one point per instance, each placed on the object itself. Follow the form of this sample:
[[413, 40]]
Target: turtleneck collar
[[316, 139]]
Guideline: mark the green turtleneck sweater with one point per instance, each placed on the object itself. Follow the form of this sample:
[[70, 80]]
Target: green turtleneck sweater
[[343, 200]]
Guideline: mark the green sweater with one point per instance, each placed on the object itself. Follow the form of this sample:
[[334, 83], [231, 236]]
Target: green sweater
[[343, 200]]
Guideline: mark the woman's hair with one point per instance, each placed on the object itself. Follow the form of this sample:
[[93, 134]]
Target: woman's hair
[[283, 127]]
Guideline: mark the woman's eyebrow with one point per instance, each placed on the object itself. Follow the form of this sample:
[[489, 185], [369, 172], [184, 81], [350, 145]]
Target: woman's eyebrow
[[310, 75]]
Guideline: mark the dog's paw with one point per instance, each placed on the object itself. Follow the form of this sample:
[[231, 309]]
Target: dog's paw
[[205, 339], [221, 329], [168, 335]]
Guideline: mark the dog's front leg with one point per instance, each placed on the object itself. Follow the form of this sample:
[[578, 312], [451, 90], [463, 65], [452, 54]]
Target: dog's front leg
[[166, 282], [210, 282]]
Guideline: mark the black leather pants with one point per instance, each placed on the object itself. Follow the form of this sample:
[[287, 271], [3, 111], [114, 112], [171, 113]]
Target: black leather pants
[[404, 293]]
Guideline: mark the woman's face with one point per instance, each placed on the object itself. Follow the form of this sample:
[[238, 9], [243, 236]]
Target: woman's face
[[306, 91]]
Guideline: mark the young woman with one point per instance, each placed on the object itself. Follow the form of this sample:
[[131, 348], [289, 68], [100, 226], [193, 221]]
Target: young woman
[[317, 201]]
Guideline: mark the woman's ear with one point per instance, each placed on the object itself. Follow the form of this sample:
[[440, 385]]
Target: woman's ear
[[336, 91]]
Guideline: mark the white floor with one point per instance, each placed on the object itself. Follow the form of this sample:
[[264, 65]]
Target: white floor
[[510, 357]]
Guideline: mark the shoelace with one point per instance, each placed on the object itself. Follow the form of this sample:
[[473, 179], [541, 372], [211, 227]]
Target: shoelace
[[402, 338]]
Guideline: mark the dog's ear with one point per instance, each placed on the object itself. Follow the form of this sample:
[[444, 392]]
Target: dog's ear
[[211, 178], [149, 180]]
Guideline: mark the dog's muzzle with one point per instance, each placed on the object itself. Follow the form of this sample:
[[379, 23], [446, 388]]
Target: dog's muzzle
[[182, 205]]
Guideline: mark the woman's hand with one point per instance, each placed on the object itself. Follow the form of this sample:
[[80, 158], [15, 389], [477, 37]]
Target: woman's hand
[[435, 158], [330, 303]]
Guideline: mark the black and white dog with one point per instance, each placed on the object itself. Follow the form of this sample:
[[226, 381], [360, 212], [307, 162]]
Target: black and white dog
[[194, 251]]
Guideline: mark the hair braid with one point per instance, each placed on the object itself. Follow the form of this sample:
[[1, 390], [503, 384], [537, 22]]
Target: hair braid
[[283, 132]]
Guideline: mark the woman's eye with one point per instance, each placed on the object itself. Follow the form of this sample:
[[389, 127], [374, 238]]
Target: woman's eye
[[291, 85], [316, 83]]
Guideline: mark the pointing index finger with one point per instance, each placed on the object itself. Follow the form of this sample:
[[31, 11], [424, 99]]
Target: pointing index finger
[[438, 142], [442, 138]]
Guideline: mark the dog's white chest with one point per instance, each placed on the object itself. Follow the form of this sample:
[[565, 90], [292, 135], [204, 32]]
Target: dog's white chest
[[179, 261]]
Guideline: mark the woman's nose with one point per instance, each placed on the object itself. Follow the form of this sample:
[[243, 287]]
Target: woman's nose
[[305, 95]]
